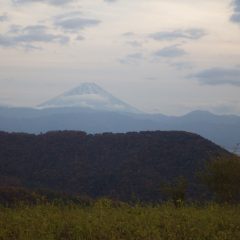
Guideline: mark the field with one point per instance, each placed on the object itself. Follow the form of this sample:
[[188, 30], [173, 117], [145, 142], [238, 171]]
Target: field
[[105, 220]]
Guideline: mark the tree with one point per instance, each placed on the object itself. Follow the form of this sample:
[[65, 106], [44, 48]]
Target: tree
[[222, 177], [176, 190]]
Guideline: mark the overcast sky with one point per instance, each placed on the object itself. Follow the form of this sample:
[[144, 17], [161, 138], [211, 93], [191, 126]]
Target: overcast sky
[[170, 57]]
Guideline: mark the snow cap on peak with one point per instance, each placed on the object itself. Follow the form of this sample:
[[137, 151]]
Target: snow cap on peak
[[89, 95]]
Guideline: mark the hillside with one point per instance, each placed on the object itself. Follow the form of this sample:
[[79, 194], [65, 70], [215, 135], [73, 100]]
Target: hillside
[[223, 130], [125, 166]]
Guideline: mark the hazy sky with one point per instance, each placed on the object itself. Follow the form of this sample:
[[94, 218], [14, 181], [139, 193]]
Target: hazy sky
[[159, 56]]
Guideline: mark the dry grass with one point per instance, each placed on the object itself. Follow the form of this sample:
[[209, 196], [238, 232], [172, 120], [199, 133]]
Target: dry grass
[[106, 221]]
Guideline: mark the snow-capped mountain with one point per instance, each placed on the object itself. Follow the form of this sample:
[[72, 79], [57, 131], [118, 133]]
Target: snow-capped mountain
[[89, 95]]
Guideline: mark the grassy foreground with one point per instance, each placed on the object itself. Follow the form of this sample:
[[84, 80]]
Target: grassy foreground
[[106, 221]]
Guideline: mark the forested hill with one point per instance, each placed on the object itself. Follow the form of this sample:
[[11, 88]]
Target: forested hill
[[116, 165]]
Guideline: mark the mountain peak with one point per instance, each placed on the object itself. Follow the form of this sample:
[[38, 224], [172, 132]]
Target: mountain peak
[[85, 88], [89, 95]]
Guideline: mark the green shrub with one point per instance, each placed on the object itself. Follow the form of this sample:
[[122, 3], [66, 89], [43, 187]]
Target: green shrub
[[222, 177]]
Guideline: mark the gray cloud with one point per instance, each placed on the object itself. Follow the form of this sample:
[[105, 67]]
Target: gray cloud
[[193, 34], [237, 5], [170, 52], [52, 2], [134, 43], [14, 28], [80, 38], [134, 40], [74, 21], [28, 36], [110, 1], [219, 76], [236, 16], [132, 58], [182, 65], [4, 17], [129, 34]]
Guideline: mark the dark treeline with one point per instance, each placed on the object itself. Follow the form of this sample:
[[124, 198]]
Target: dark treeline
[[131, 166]]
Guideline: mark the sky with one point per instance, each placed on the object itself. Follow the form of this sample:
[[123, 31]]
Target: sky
[[169, 57]]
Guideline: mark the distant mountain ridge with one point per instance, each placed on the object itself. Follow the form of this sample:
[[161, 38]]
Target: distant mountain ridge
[[79, 109]]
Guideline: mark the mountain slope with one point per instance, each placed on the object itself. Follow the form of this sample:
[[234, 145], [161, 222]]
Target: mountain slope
[[89, 95], [117, 165], [222, 129]]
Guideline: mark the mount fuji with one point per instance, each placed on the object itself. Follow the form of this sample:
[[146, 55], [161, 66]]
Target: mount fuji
[[90, 96]]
